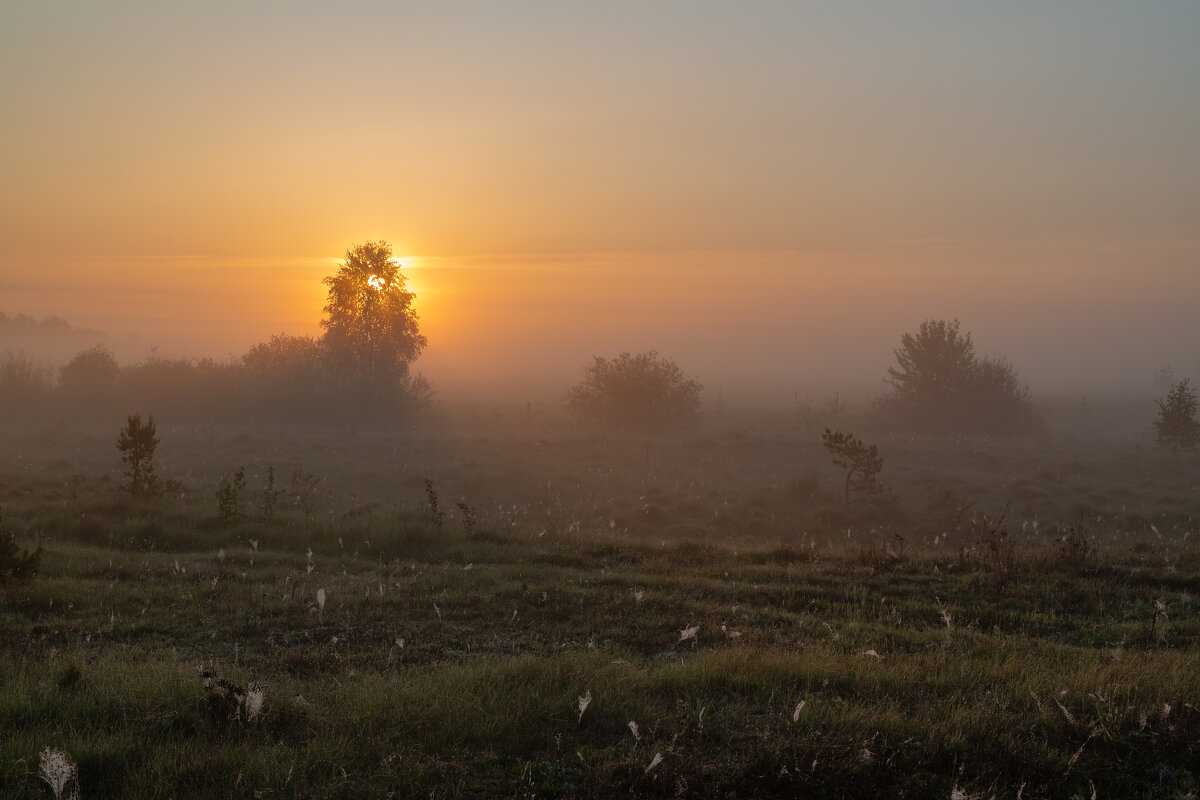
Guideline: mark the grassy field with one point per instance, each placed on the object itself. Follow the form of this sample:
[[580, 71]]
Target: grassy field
[[694, 614]]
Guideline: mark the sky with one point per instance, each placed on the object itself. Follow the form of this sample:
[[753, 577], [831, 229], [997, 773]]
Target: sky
[[770, 193]]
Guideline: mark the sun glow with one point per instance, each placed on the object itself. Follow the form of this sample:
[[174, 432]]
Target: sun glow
[[405, 272], [376, 283]]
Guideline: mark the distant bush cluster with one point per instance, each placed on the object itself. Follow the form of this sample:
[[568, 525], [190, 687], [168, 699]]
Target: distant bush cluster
[[1176, 426], [286, 378], [15, 563], [640, 391], [939, 384], [359, 367], [359, 370]]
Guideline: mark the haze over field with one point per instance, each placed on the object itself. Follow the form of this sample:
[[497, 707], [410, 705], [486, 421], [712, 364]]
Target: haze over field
[[769, 194], [615, 399]]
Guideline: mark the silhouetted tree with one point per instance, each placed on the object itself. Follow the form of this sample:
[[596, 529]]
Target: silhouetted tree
[[1176, 425], [940, 382], [997, 398], [371, 332], [137, 442], [88, 382], [861, 462], [282, 355], [637, 391], [285, 375], [938, 362]]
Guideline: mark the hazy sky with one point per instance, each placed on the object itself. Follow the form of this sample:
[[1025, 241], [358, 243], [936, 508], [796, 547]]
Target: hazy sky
[[770, 189]]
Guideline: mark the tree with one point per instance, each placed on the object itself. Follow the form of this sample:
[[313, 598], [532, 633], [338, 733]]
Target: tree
[[137, 442], [862, 463], [635, 391], [1176, 425], [284, 374], [936, 363], [940, 382], [371, 332], [89, 380], [16, 563]]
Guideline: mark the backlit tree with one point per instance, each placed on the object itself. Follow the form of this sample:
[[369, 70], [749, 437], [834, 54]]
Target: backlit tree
[[371, 332]]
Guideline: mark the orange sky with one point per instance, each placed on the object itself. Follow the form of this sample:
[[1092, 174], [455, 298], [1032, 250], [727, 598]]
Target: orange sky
[[771, 193]]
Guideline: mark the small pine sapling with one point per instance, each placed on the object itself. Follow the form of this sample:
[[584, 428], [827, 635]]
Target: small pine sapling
[[270, 496], [304, 487], [137, 442], [229, 495], [468, 519], [16, 563], [861, 462], [435, 509], [1176, 426]]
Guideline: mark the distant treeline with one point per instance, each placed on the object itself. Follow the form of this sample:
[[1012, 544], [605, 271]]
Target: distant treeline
[[23, 325], [357, 371], [287, 378], [51, 338]]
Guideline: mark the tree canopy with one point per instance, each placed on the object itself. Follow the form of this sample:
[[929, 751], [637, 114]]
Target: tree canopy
[[1176, 426], [635, 391], [88, 381], [936, 362], [371, 328], [939, 382]]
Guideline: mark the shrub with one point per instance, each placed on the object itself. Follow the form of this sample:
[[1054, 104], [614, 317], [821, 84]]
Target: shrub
[[304, 489], [88, 382], [861, 462], [137, 442], [635, 391], [229, 495], [25, 386], [284, 377], [1176, 426], [939, 383], [16, 563], [270, 496]]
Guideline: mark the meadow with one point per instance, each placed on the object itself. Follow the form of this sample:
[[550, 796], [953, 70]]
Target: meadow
[[497, 603]]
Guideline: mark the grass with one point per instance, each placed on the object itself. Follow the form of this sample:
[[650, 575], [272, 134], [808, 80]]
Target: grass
[[449, 660]]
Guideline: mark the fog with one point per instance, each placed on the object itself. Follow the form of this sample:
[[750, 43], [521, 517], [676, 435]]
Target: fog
[[462, 399], [754, 328], [770, 199]]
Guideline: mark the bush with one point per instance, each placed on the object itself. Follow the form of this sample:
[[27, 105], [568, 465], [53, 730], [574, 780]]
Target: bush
[[1176, 426], [229, 495], [861, 462], [939, 383], [16, 563], [88, 382], [635, 391], [137, 442], [284, 377], [25, 387]]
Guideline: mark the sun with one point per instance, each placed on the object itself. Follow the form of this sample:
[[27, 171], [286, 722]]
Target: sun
[[376, 283]]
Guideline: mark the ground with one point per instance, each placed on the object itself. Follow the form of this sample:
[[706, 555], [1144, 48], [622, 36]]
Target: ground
[[505, 606]]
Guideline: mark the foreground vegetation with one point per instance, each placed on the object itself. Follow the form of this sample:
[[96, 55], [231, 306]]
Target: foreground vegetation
[[586, 640]]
